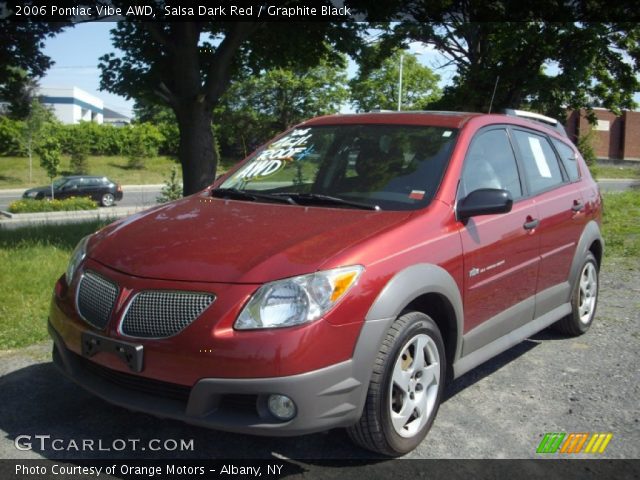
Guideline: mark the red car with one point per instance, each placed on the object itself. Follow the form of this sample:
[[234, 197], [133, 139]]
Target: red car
[[338, 277]]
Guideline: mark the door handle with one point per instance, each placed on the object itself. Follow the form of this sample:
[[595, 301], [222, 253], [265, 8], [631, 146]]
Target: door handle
[[577, 206], [531, 224]]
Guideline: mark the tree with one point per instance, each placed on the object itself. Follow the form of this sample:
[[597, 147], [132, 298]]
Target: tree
[[188, 66], [22, 61], [79, 148], [38, 118], [49, 152], [546, 66], [378, 87], [257, 107]]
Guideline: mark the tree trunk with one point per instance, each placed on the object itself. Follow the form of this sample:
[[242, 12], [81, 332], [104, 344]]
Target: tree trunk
[[197, 154]]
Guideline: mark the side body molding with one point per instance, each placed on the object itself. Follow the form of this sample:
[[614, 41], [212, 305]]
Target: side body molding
[[412, 282]]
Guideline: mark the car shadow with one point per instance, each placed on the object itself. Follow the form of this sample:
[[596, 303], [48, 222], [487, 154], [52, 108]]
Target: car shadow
[[489, 367], [39, 400]]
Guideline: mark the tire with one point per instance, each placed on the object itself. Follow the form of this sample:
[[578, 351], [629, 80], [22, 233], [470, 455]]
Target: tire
[[388, 424], [107, 200], [584, 300]]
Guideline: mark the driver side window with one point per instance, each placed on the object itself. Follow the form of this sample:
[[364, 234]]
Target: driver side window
[[491, 163]]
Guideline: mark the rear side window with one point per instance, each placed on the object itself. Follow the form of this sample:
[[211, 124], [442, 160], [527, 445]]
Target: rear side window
[[491, 163], [568, 159], [540, 163]]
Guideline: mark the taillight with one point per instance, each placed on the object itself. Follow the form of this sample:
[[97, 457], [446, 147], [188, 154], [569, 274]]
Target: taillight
[[119, 187]]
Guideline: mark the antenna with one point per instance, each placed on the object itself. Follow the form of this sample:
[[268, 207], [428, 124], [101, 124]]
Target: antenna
[[495, 87]]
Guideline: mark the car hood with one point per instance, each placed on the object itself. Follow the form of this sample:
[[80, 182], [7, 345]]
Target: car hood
[[206, 239]]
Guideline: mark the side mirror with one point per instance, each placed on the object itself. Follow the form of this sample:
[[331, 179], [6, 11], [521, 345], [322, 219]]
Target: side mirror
[[484, 201]]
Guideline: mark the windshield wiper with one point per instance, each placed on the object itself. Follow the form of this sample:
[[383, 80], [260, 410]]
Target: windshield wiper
[[235, 194], [318, 198]]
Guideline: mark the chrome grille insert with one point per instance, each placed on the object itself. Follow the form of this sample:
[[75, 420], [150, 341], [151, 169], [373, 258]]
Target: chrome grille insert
[[162, 313], [95, 299]]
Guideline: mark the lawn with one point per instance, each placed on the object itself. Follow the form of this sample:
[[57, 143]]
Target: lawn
[[33, 258], [14, 171], [621, 227]]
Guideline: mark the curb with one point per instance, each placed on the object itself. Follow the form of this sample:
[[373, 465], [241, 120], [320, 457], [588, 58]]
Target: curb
[[16, 220]]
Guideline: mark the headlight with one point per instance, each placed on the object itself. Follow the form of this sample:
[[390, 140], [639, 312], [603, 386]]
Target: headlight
[[76, 258], [297, 300]]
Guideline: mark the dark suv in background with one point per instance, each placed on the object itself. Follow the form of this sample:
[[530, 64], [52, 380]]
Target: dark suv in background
[[101, 189]]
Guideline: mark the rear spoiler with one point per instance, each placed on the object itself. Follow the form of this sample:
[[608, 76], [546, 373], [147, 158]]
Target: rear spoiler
[[536, 117]]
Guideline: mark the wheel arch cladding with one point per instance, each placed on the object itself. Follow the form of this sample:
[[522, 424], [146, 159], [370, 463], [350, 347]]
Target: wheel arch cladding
[[590, 240], [429, 289]]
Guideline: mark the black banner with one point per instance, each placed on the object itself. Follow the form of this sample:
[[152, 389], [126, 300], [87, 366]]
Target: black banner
[[277, 468], [419, 11]]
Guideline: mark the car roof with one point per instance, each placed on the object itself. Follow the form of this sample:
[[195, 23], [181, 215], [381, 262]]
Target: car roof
[[72, 177], [444, 119], [433, 118]]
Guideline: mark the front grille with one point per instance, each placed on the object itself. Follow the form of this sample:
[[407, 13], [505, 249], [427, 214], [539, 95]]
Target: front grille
[[96, 298], [159, 314], [155, 388]]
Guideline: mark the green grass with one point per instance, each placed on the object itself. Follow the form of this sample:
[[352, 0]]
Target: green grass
[[621, 224], [14, 171], [32, 259], [619, 171]]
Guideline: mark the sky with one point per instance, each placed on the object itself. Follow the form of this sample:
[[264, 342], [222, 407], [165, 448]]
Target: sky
[[76, 51]]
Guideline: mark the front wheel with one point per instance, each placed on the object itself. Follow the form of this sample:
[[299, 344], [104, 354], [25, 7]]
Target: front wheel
[[405, 389], [107, 200]]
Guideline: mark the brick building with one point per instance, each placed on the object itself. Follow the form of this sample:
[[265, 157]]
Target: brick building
[[617, 137]]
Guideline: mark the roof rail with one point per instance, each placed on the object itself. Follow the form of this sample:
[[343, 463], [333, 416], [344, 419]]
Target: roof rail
[[536, 117]]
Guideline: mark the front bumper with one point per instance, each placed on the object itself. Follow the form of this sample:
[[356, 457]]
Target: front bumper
[[326, 398]]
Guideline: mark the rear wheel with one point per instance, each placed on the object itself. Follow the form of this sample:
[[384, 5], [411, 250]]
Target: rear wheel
[[583, 301], [107, 200], [405, 388]]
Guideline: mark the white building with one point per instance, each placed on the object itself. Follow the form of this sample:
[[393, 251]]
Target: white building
[[72, 105]]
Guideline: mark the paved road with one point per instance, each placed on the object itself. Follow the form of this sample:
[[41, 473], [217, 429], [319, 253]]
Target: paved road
[[501, 409], [618, 185], [145, 195]]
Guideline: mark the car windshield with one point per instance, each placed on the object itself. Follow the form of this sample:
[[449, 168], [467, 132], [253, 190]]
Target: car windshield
[[394, 167]]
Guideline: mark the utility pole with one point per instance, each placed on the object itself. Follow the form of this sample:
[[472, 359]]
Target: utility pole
[[400, 84]]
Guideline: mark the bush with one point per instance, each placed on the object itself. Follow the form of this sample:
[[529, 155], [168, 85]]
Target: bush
[[172, 189], [10, 135], [30, 205], [79, 147], [143, 141], [587, 150]]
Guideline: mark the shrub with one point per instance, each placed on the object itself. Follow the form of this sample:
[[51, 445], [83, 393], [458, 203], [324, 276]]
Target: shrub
[[79, 147], [143, 141], [587, 150], [10, 135], [29, 205], [172, 189]]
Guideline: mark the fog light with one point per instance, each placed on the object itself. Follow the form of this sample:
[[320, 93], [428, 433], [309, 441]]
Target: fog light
[[281, 407]]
